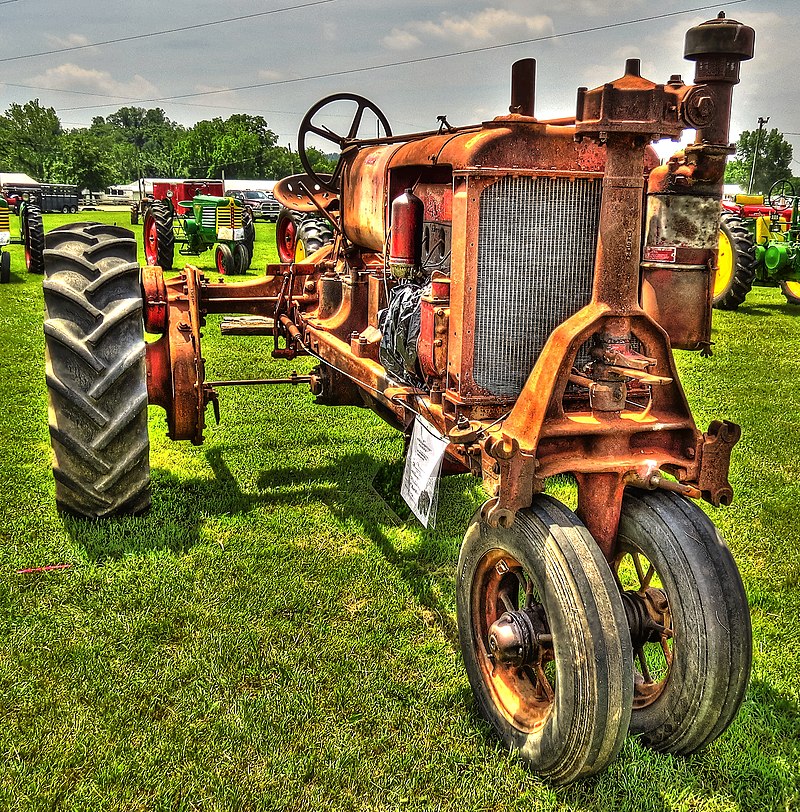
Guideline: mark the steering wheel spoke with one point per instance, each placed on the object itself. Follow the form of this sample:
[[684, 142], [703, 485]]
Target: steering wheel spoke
[[309, 126]]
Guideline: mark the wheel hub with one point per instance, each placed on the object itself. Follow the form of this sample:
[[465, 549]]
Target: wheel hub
[[648, 615], [515, 638]]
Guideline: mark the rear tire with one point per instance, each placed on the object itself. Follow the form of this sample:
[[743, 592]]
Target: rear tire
[[159, 239], [692, 695], [249, 237], [566, 710], [736, 263], [96, 374], [312, 235], [33, 236]]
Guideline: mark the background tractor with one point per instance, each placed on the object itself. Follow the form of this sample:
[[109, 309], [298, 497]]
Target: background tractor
[[759, 244], [31, 235], [195, 225], [302, 227], [491, 286], [298, 235]]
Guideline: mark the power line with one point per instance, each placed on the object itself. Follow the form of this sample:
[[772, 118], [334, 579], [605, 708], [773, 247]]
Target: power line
[[121, 99], [134, 37], [423, 59]]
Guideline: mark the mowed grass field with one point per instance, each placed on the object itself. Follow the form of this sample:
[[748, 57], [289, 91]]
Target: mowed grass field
[[277, 634]]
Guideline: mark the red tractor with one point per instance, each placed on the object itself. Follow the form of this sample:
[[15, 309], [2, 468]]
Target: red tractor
[[516, 287]]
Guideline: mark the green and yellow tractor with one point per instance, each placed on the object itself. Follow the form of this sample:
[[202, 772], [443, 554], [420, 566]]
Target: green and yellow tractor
[[759, 244], [195, 222], [31, 235]]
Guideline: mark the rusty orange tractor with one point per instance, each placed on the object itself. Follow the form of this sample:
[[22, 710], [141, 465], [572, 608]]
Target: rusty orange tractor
[[520, 285]]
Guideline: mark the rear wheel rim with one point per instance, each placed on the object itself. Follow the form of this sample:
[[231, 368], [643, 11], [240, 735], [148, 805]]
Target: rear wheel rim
[[286, 238], [793, 288], [151, 243], [724, 274]]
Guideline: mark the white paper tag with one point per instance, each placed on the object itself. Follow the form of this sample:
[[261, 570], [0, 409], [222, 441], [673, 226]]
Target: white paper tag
[[5, 237], [420, 486], [228, 234]]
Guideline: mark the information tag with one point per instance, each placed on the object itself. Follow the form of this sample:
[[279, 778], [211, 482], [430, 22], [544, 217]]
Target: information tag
[[5, 238], [227, 234], [420, 486]]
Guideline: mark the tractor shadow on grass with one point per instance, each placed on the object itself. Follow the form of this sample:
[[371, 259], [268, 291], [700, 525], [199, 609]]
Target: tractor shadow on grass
[[769, 309], [178, 512], [355, 487]]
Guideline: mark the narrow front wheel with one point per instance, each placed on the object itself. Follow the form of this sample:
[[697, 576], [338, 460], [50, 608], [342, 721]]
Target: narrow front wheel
[[539, 619], [688, 618]]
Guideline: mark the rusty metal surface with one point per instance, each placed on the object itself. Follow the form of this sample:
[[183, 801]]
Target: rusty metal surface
[[603, 400], [175, 367]]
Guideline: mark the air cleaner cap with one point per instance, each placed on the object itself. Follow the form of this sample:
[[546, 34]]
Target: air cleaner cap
[[720, 37]]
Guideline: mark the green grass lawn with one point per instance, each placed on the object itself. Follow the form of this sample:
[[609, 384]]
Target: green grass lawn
[[272, 636]]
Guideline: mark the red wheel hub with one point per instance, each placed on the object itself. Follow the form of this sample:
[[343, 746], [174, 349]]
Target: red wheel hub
[[151, 241]]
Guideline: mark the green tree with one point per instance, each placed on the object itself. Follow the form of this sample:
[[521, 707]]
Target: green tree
[[772, 161], [85, 159], [30, 136]]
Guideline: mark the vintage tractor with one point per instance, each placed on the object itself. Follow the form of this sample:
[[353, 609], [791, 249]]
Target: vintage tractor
[[516, 288], [31, 235], [196, 225], [759, 244]]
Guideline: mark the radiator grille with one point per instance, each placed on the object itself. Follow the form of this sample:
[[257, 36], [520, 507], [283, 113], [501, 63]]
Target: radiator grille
[[208, 217], [5, 222], [536, 248]]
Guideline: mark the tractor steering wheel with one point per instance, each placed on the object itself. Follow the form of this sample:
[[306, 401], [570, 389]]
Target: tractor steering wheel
[[781, 194], [307, 126]]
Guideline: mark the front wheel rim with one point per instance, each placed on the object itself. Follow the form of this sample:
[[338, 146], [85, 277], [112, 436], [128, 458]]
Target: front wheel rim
[[524, 694], [650, 621]]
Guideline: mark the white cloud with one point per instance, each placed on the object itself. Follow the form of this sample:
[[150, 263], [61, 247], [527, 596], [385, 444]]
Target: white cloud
[[73, 77], [330, 31], [399, 40], [270, 75], [69, 41], [489, 25]]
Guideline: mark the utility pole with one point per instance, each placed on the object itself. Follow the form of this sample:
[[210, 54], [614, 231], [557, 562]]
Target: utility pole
[[761, 123]]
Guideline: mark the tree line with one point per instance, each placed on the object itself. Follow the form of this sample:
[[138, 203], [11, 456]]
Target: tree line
[[138, 142]]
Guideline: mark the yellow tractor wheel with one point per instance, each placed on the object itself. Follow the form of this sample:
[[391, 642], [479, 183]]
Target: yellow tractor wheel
[[736, 263], [791, 290]]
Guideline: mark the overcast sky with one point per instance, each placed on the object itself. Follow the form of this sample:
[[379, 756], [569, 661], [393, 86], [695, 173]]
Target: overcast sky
[[267, 51]]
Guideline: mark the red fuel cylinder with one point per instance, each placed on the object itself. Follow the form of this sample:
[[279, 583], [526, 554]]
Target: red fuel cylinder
[[405, 255]]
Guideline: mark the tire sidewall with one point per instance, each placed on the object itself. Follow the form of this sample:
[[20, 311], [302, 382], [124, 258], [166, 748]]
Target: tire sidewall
[[706, 598]]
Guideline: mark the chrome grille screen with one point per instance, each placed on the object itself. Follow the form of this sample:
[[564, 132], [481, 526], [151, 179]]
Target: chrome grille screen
[[536, 247], [208, 217]]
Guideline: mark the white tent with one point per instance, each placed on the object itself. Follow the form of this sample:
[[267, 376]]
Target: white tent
[[17, 179]]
